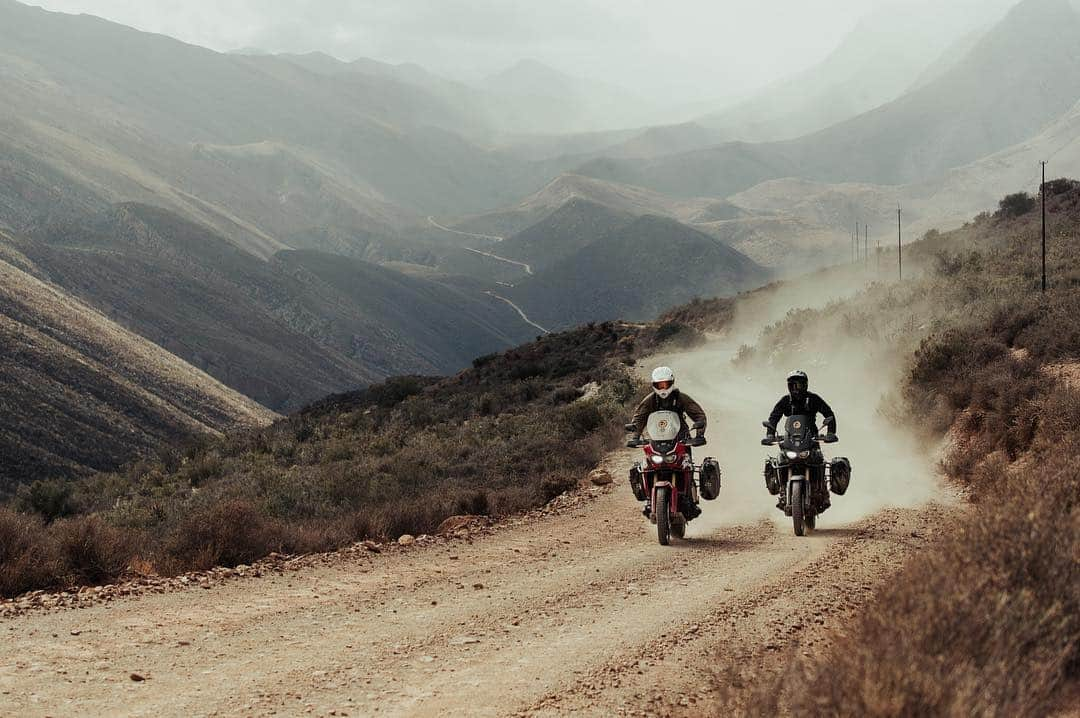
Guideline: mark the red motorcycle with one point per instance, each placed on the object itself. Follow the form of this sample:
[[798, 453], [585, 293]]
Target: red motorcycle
[[668, 475]]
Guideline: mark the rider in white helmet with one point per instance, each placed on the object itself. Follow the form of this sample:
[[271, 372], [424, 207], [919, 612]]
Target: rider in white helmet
[[665, 397]]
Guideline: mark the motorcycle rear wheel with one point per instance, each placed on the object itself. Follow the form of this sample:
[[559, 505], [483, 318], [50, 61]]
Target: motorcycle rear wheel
[[797, 518], [811, 521], [663, 516], [678, 528]]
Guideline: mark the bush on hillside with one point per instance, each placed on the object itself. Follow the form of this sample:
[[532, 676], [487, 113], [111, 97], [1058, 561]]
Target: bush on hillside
[[1015, 205]]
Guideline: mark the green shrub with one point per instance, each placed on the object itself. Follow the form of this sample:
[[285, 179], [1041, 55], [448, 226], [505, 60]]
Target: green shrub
[[1015, 205], [50, 498]]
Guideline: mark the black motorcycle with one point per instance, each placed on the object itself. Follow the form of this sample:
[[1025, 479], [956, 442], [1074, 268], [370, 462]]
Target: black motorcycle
[[800, 475]]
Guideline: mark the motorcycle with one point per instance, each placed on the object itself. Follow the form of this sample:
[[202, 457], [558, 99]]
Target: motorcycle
[[668, 475], [800, 475]]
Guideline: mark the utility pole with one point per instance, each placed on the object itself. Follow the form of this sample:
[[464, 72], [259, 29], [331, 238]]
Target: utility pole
[[877, 251], [866, 245], [899, 244], [1043, 189]]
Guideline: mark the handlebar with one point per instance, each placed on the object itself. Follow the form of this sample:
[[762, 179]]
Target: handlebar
[[824, 439], [639, 443]]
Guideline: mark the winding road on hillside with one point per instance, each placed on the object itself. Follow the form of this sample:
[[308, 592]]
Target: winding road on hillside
[[489, 237], [523, 265], [575, 611], [520, 311]]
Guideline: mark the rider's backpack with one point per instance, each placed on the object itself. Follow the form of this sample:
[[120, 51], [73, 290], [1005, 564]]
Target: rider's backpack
[[709, 483], [839, 475]]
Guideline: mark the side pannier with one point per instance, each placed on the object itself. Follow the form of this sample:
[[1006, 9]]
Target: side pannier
[[709, 482], [839, 475]]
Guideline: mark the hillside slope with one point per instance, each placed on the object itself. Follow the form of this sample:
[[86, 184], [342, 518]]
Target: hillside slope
[[284, 332], [565, 231], [635, 271], [79, 393]]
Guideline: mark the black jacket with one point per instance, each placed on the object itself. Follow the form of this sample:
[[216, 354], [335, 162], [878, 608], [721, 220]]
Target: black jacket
[[810, 405], [678, 402]]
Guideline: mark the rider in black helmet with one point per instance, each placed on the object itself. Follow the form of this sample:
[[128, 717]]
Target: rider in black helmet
[[800, 400]]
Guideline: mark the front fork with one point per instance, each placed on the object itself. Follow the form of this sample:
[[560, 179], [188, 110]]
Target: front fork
[[804, 476], [787, 497], [673, 501]]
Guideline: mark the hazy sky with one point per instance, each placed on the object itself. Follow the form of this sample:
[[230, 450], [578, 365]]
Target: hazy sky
[[670, 48]]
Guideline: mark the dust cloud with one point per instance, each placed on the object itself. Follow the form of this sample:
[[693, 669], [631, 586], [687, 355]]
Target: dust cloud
[[858, 378]]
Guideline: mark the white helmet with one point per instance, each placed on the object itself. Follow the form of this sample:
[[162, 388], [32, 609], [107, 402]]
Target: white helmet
[[663, 382]]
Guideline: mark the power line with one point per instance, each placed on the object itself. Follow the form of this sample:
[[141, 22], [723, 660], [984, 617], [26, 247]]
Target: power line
[[1042, 188], [899, 244]]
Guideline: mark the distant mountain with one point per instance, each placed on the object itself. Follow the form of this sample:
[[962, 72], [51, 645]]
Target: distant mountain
[[999, 94], [944, 204], [978, 186], [257, 147], [634, 272], [285, 331], [540, 99], [80, 393], [624, 198], [565, 231], [666, 140], [878, 61]]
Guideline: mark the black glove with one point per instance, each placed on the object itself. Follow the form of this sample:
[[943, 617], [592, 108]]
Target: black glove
[[769, 440], [633, 442]]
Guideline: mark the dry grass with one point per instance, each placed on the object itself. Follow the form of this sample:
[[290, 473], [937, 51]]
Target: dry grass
[[987, 621], [507, 435]]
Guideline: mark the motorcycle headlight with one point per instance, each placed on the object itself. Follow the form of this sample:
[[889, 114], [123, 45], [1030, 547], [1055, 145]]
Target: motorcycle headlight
[[804, 455], [792, 454], [657, 459], [670, 458]]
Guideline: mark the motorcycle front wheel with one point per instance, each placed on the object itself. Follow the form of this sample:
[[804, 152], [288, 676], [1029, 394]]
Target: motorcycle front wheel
[[663, 515], [797, 518]]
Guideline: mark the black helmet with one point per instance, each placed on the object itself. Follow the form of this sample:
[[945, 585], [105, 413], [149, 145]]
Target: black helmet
[[798, 383]]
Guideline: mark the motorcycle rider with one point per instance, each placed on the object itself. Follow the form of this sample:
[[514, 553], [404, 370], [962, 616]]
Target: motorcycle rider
[[665, 397], [800, 400]]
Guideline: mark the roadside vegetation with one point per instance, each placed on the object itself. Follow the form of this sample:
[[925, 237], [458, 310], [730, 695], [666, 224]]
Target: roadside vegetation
[[987, 620], [514, 431]]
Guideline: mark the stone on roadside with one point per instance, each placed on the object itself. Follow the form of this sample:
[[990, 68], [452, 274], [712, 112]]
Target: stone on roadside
[[601, 477], [455, 524]]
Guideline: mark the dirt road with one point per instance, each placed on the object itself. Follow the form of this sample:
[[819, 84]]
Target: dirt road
[[580, 612]]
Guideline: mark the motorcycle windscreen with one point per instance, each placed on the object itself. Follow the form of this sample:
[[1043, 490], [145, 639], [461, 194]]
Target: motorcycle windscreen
[[663, 426], [800, 433]]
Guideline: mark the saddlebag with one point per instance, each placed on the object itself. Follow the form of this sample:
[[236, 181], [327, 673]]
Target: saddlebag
[[772, 478], [709, 482], [637, 483], [839, 475]]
